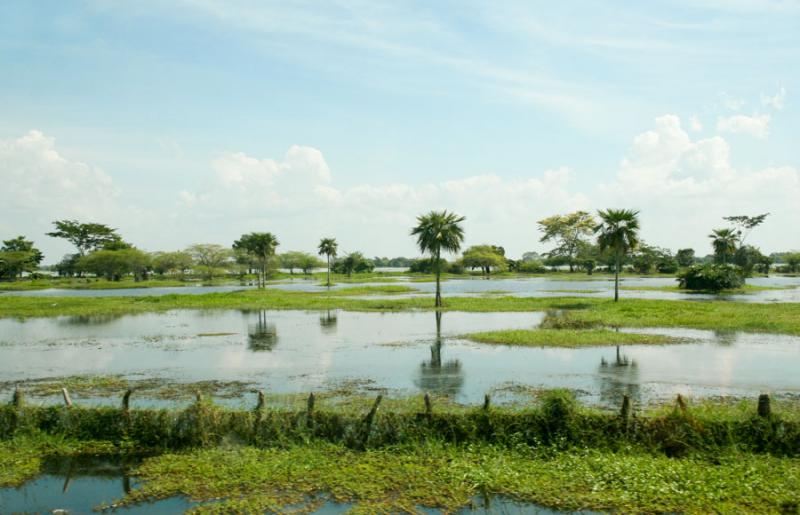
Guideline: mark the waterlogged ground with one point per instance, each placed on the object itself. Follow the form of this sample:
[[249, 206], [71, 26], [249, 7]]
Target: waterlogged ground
[[406, 353]]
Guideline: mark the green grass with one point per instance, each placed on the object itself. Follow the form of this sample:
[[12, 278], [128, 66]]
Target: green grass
[[448, 476], [75, 283], [747, 288], [567, 338]]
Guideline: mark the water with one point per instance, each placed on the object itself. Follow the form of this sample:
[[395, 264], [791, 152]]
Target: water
[[78, 485], [127, 292], [302, 351]]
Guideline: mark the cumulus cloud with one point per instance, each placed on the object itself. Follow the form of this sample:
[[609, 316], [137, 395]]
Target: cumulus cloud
[[695, 124], [756, 126]]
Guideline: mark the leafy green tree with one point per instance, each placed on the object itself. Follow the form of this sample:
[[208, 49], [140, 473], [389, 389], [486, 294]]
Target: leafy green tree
[[261, 247], [764, 264], [209, 258], [115, 264], [171, 262], [568, 232], [747, 257], [792, 261], [309, 262], [85, 236], [354, 262], [485, 257], [745, 224], [439, 231], [724, 243], [685, 257], [647, 258], [618, 232], [18, 256], [328, 247], [301, 260]]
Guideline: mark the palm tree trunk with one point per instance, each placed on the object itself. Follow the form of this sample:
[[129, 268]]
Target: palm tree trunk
[[438, 282], [616, 277], [329, 270]]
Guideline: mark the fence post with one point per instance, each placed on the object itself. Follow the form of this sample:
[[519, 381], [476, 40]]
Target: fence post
[[486, 402], [428, 406], [126, 400], [67, 400], [764, 408], [369, 419], [261, 401], [681, 403], [310, 410], [17, 400], [625, 412]]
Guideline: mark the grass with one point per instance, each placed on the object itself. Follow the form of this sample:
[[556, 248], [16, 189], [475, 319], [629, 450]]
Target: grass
[[567, 338], [747, 288], [447, 476], [75, 283]]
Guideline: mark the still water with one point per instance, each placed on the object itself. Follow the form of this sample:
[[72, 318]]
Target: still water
[[406, 353]]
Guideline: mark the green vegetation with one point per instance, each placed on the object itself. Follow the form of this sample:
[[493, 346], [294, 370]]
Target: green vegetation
[[618, 233], [438, 231], [745, 288], [567, 337]]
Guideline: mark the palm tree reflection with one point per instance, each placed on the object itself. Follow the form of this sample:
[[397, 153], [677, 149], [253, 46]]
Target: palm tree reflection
[[618, 377], [436, 376], [327, 321], [262, 335]]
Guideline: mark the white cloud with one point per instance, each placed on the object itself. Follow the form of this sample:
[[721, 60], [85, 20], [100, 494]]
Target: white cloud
[[695, 124], [776, 101], [756, 126], [731, 102]]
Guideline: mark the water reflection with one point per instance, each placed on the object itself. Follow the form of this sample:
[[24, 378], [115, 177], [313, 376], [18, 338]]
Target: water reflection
[[617, 378], [262, 335], [327, 321], [436, 376], [77, 320]]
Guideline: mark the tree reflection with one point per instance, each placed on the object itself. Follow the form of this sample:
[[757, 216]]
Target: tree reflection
[[619, 377], [89, 319], [327, 321], [261, 336], [437, 376]]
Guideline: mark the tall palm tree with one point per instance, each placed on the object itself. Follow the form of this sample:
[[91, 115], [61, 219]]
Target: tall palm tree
[[724, 242], [438, 231], [619, 232], [328, 246], [261, 246]]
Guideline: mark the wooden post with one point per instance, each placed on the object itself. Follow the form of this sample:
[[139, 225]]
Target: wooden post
[[764, 408], [126, 400], [261, 401], [681, 403], [198, 397], [17, 399], [369, 419], [625, 413], [486, 402], [428, 406], [310, 410], [67, 400]]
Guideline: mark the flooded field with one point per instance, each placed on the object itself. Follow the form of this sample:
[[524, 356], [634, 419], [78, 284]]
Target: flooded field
[[406, 353]]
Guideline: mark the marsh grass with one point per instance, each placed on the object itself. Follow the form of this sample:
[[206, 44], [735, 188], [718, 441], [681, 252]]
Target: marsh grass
[[571, 338]]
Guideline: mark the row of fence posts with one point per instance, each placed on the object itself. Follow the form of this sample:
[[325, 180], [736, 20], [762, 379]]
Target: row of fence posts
[[764, 405]]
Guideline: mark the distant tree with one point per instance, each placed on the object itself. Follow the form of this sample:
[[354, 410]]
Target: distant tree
[[568, 232], [531, 256], [438, 231], [328, 247], [647, 258], [85, 236], [301, 260], [209, 258], [18, 256], [68, 266], [485, 257], [685, 257], [115, 264], [764, 264], [747, 257], [724, 242], [310, 262], [171, 262], [618, 232], [354, 262], [745, 224], [792, 261], [589, 265], [261, 247]]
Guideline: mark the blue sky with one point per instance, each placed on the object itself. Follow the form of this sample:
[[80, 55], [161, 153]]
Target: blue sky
[[181, 122]]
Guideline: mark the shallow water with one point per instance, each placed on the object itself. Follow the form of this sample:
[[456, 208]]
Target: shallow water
[[127, 292], [302, 351]]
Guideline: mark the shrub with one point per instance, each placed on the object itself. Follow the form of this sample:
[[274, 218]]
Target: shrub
[[711, 277]]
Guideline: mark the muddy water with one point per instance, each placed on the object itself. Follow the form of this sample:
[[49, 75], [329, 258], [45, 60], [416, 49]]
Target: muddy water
[[407, 353]]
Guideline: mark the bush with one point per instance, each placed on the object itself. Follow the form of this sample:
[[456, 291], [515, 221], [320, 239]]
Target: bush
[[531, 267], [711, 277]]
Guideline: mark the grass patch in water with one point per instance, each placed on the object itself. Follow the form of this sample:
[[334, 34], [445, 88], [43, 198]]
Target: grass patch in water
[[747, 288], [567, 338], [446, 476]]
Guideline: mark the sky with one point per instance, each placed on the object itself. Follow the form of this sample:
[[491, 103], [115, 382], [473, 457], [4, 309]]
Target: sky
[[195, 121]]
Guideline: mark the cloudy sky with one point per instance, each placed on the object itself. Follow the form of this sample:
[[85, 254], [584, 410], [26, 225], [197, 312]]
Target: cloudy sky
[[196, 121]]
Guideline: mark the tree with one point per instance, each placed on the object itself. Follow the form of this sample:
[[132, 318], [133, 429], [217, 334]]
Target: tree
[[485, 257], [114, 264], [724, 243], [764, 264], [685, 257], [747, 257], [328, 247], [261, 247], [353, 262], [85, 236], [302, 260], [17, 256], [618, 232], [209, 257], [745, 224], [171, 262], [792, 261], [568, 232], [439, 231]]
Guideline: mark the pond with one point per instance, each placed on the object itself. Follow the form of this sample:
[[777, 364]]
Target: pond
[[127, 292], [406, 353]]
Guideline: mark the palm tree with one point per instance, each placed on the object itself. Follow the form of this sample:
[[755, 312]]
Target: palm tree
[[438, 231], [261, 246], [328, 246], [618, 232], [724, 242]]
